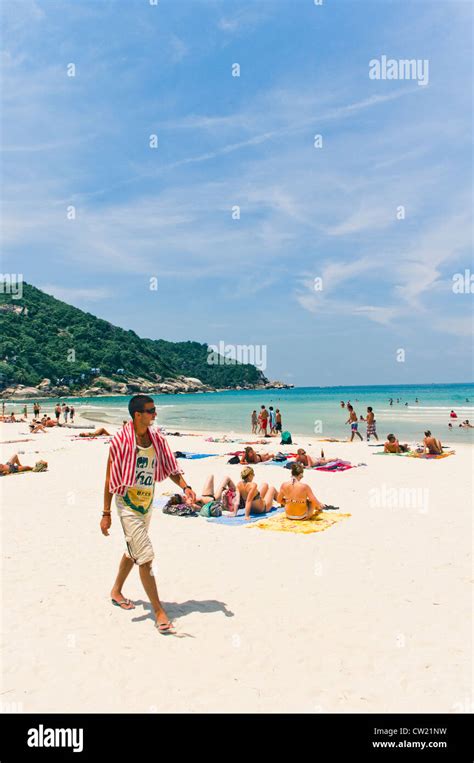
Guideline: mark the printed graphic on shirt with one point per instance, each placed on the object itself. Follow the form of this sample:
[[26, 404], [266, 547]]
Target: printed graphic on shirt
[[139, 497]]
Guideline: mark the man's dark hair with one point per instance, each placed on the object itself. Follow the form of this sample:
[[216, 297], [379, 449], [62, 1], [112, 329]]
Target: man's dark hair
[[390, 437], [427, 433], [137, 403], [369, 408]]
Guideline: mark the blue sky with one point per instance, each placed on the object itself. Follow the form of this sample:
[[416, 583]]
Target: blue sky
[[305, 212]]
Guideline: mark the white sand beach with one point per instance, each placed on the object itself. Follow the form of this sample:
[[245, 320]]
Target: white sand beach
[[370, 615]]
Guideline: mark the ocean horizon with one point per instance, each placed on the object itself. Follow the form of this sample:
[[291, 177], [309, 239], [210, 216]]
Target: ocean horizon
[[306, 411]]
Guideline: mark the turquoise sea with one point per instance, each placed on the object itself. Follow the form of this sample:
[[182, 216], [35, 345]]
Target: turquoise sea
[[312, 411]]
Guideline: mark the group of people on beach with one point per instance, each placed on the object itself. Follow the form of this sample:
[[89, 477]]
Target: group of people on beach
[[296, 497], [266, 422], [64, 410], [354, 422], [139, 457]]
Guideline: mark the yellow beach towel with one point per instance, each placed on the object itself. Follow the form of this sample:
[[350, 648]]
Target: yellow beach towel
[[428, 455], [317, 524]]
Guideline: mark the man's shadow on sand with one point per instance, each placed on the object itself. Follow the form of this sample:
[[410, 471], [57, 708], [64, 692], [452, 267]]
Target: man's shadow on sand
[[175, 611]]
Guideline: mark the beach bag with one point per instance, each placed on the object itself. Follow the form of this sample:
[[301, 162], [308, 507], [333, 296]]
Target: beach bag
[[211, 509], [233, 460], [179, 510], [286, 439]]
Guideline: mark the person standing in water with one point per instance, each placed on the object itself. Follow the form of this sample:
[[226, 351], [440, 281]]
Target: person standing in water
[[352, 420], [254, 422], [272, 419], [139, 457], [264, 420], [277, 420]]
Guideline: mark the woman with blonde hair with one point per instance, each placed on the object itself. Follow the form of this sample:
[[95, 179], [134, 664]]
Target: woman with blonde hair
[[297, 497], [250, 497]]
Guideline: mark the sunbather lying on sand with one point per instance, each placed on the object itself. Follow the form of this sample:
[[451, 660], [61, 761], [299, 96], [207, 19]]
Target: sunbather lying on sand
[[98, 433], [35, 427], [306, 460], [297, 497], [250, 497], [47, 422], [226, 493], [432, 444], [251, 457], [11, 419], [13, 466], [393, 446]]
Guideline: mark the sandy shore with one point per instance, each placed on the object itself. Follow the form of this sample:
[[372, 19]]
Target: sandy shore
[[371, 615]]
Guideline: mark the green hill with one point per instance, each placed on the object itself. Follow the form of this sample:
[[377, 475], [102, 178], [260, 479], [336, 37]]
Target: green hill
[[39, 332]]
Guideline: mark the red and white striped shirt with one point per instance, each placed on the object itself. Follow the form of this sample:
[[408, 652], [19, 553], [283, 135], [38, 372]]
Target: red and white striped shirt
[[123, 450]]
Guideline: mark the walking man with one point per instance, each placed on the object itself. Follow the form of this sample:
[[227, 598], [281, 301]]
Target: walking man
[[352, 420], [371, 424], [139, 457]]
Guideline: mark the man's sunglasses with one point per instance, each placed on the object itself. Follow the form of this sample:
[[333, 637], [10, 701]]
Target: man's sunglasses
[[148, 410]]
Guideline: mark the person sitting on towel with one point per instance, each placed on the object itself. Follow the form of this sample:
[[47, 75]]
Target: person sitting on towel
[[432, 444], [250, 497], [297, 497], [393, 446]]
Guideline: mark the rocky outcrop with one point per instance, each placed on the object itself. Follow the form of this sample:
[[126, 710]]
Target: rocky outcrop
[[103, 385], [21, 391]]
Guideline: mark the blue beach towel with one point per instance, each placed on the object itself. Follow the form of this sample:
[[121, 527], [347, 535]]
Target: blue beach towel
[[278, 463], [185, 454]]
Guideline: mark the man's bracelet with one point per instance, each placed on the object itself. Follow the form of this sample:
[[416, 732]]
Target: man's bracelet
[[106, 513]]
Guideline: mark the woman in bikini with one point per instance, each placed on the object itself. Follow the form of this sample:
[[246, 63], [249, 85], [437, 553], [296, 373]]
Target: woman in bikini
[[432, 445], [250, 498], [251, 457], [13, 466], [226, 493], [306, 460], [297, 497], [101, 432]]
